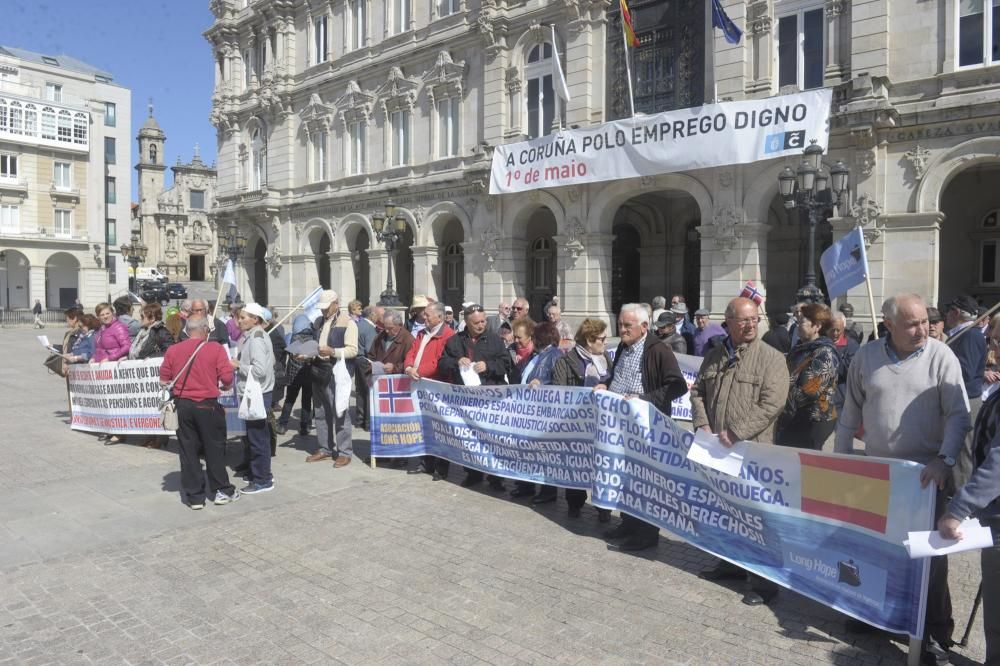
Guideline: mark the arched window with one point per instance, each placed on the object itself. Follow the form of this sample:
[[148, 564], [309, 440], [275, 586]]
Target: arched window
[[453, 266], [16, 125], [152, 153], [989, 250], [541, 259], [258, 151], [541, 97], [65, 126], [80, 128], [48, 123], [3, 116], [30, 120]]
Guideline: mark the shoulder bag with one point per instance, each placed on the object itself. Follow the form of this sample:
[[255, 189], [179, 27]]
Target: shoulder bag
[[168, 408]]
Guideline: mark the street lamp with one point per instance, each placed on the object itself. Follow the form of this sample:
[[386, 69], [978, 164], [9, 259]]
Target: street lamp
[[134, 254], [390, 235], [808, 188]]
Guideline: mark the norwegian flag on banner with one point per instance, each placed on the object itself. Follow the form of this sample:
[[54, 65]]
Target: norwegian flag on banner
[[751, 291], [394, 396]]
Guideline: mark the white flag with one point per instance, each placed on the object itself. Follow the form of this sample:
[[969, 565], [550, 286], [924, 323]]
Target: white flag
[[308, 304], [558, 80], [229, 277]]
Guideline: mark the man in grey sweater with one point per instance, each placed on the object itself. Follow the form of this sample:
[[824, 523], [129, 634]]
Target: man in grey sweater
[[907, 391]]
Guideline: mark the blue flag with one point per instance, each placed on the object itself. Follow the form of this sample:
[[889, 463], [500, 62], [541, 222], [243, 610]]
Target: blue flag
[[721, 21], [845, 264]]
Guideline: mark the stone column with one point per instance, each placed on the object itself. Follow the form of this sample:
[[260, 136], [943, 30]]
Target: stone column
[[341, 276], [834, 56], [593, 297], [474, 271], [425, 266], [378, 269], [36, 286], [580, 63]]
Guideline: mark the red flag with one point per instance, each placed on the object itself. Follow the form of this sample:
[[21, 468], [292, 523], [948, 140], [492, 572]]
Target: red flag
[[750, 291]]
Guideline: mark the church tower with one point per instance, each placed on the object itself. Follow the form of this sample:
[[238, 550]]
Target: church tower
[[151, 167]]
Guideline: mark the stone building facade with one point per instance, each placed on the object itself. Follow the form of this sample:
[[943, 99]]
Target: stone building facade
[[326, 109], [175, 221], [64, 181]]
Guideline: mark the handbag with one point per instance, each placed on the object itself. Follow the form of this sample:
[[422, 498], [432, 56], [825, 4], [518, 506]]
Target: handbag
[[252, 404], [168, 408], [57, 364]]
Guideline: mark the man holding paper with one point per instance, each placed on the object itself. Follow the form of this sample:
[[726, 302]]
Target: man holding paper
[[740, 392], [476, 356]]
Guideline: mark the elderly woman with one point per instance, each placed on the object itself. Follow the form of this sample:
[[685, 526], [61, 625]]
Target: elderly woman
[[810, 414], [538, 370], [233, 323], [256, 357], [112, 341], [83, 345], [587, 364], [355, 309], [151, 341]]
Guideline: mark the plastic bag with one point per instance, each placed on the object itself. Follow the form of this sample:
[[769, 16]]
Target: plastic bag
[[252, 405], [342, 385]]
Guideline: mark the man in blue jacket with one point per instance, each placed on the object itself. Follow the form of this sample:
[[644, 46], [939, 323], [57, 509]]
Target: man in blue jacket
[[970, 348]]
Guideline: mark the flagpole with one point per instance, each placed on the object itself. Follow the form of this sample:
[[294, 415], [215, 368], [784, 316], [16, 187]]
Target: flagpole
[[871, 304], [295, 309], [628, 67]]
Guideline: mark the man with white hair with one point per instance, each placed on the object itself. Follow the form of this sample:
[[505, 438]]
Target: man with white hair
[[646, 369], [198, 307], [907, 390]]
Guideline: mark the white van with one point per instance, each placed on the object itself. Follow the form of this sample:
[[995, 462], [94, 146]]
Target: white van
[[150, 273]]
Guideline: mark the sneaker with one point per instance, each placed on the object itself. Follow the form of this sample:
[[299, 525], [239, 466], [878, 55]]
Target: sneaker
[[222, 498], [253, 488], [197, 506]]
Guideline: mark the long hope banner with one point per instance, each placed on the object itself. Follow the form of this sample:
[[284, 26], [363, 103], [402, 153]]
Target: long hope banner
[[828, 526], [699, 137], [123, 398]]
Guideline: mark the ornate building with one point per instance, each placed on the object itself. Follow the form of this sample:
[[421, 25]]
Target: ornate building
[[175, 221], [326, 110]]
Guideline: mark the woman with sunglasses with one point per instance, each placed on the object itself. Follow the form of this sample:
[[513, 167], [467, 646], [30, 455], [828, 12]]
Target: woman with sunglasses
[[587, 364]]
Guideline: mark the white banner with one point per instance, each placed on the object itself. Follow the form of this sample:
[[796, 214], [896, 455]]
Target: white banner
[[680, 410], [706, 136]]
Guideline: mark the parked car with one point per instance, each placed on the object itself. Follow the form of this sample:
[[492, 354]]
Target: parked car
[[176, 290], [152, 292]]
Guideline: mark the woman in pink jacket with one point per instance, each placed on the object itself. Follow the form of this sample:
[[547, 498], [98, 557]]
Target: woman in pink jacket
[[112, 342]]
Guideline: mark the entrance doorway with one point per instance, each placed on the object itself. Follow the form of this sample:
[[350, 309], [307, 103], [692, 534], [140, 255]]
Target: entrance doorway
[[625, 264], [196, 270]]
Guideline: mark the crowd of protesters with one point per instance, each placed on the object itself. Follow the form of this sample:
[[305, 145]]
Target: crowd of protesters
[[922, 390]]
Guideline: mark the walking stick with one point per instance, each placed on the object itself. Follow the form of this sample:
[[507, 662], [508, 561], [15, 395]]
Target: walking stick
[[972, 616]]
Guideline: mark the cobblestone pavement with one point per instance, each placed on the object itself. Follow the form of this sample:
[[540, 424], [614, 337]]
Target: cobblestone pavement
[[101, 563]]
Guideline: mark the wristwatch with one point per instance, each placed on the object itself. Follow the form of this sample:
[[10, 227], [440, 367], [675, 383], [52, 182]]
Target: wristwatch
[[948, 460]]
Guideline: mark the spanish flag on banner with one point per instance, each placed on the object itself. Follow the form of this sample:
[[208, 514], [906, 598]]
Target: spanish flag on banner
[[630, 37], [851, 491]]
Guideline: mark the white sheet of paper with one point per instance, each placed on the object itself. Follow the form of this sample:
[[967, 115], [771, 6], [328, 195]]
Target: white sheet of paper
[[378, 368], [926, 544], [44, 339], [469, 376], [707, 450]]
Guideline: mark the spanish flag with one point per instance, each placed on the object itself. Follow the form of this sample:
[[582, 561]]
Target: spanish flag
[[630, 37], [851, 491]]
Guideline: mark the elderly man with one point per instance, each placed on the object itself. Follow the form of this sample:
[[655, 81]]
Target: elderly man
[[970, 348], [666, 330], [337, 335], [482, 350], [366, 338], [854, 329], [739, 394], [553, 313], [495, 321], [935, 322], [659, 304], [646, 369], [846, 347], [202, 366], [705, 330], [907, 390], [417, 321], [199, 308], [422, 361], [392, 344]]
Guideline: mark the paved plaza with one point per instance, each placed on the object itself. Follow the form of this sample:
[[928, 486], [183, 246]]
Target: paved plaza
[[100, 562]]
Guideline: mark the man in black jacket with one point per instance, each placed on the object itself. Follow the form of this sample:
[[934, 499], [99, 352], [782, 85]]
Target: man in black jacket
[[646, 369], [484, 351]]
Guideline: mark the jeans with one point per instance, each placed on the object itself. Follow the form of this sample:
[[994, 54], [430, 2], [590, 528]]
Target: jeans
[[302, 382], [333, 433], [259, 437]]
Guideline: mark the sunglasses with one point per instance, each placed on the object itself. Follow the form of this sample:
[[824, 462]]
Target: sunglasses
[[472, 309], [518, 307]]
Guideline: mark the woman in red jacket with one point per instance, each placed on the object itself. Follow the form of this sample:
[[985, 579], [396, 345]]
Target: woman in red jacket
[[111, 343]]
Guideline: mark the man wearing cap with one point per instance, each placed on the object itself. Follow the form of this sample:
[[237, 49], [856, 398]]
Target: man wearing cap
[[705, 331], [936, 322], [449, 318], [970, 348], [417, 322], [687, 329], [337, 335], [666, 330]]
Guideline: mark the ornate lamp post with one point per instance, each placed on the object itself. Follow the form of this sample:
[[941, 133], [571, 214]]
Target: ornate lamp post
[[808, 188], [134, 254], [232, 242], [390, 235]]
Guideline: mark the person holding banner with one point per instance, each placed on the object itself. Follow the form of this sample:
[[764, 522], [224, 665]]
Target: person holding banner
[[587, 364], [907, 390], [810, 414], [422, 361], [199, 367], [481, 351], [740, 391], [646, 369], [256, 357], [338, 339], [83, 344], [152, 341]]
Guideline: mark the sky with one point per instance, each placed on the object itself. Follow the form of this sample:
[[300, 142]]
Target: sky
[[153, 47]]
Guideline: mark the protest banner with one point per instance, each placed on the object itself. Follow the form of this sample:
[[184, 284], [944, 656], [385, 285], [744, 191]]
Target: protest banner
[[123, 398], [828, 526], [680, 410], [695, 138]]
